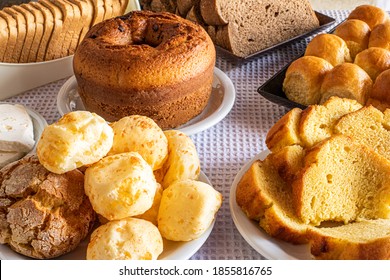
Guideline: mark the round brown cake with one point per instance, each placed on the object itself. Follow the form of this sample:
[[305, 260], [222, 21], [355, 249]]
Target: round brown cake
[[144, 63]]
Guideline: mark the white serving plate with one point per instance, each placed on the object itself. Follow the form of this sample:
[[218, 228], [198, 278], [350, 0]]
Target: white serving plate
[[220, 103], [172, 250], [269, 247]]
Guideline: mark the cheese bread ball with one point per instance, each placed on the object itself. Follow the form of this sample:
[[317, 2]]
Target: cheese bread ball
[[140, 134], [151, 214], [183, 160], [120, 186], [187, 209], [126, 239], [78, 138]]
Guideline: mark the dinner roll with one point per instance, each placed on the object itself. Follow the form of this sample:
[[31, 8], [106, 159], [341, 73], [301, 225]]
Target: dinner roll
[[303, 79], [120, 186], [372, 15], [126, 239], [329, 47], [346, 80], [183, 161], [373, 61], [140, 134], [151, 214], [78, 138], [380, 36], [355, 33], [187, 210], [380, 93]]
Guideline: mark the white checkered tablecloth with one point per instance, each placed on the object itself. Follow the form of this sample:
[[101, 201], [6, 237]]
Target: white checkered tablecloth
[[226, 147]]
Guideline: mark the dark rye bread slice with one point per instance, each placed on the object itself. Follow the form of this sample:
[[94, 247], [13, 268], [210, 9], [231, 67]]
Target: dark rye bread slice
[[30, 32], [48, 26], [54, 46], [12, 38], [17, 55], [215, 12], [260, 24], [4, 34]]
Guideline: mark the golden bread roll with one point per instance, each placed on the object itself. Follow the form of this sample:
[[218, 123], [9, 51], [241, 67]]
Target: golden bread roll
[[355, 33], [126, 239], [380, 93], [303, 79], [120, 186], [372, 15], [329, 47], [380, 36], [374, 61], [187, 210], [151, 214], [140, 134], [78, 138], [346, 80], [183, 161]]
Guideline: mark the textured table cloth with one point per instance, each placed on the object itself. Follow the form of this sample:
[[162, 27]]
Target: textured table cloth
[[224, 148]]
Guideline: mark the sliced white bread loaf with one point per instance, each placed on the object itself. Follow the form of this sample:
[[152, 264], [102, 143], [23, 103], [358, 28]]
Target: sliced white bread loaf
[[107, 9], [124, 4], [99, 11], [367, 126], [317, 121], [285, 131], [4, 34], [364, 240], [30, 28], [342, 181], [12, 37], [20, 22], [48, 28], [86, 17]]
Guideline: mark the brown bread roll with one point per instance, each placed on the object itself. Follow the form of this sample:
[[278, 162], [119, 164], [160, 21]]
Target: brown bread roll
[[373, 61], [380, 94], [380, 36], [372, 15], [303, 79], [329, 47], [346, 80], [355, 33]]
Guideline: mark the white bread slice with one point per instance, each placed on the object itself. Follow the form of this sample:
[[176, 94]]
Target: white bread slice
[[124, 4], [364, 240], [98, 14], [48, 28], [30, 32], [342, 181], [116, 8], [367, 126], [54, 46], [317, 121], [38, 34], [215, 12], [4, 34], [21, 33], [285, 131], [12, 38], [86, 14], [107, 9]]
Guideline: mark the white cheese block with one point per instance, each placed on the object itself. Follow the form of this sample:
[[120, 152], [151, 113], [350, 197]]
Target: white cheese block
[[16, 129], [8, 157]]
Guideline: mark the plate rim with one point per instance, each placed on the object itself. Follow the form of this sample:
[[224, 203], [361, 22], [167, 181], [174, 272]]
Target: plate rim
[[215, 117], [190, 247], [261, 242]]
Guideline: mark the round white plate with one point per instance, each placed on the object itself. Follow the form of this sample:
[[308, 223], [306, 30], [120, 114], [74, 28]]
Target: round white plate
[[220, 103], [270, 248], [172, 250]]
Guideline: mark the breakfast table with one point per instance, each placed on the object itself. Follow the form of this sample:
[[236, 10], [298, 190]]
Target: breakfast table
[[225, 147]]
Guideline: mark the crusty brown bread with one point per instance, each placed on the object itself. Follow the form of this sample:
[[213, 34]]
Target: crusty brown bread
[[374, 61], [370, 14], [342, 181], [355, 33], [303, 79], [317, 121], [380, 36], [215, 12], [379, 96], [184, 6], [329, 47], [346, 80]]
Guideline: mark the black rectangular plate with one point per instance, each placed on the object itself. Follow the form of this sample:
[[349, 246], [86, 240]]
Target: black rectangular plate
[[325, 21]]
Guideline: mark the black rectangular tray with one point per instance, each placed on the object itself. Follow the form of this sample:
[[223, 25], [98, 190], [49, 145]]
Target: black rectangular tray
[[325, 22]]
